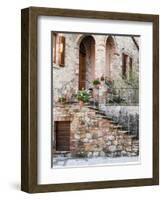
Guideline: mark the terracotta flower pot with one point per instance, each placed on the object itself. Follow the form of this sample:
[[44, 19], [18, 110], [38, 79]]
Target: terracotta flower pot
[[97, 86], [81, 104]]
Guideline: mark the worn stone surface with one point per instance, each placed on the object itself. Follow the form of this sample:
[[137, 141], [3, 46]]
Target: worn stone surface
[[90, 139], [90, 134], [66, 79]]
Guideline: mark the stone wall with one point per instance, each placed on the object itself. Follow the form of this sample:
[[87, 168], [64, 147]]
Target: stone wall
[[65, 79], [124, 45], [91, 135]]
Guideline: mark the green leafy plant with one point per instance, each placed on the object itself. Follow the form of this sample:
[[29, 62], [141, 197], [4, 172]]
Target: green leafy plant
[[62, 99], [83, 95], [96, 82]]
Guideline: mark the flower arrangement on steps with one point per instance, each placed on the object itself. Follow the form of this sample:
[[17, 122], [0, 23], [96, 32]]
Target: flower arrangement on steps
[[83, 96]]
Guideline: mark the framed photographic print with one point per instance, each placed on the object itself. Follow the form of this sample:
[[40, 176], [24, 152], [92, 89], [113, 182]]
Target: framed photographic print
[[90, 99]]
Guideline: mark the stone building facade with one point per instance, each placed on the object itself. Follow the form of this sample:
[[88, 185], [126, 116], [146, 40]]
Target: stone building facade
[[116, 57], [78, 59]]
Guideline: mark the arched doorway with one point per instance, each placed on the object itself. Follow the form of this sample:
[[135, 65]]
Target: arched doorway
[[86, 62], [110, 50]]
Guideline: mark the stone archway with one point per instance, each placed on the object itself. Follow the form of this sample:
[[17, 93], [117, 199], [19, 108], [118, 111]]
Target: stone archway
[[86, 61], [110, 50]]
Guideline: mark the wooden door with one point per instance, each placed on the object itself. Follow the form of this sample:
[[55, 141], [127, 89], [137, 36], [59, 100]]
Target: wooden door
[[82, 67], [62, 133]]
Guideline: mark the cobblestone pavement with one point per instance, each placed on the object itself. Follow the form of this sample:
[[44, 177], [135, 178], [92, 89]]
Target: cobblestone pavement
[[77, 162]]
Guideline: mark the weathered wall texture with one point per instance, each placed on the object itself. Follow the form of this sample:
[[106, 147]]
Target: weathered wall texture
[[92, 135], [66, 79]]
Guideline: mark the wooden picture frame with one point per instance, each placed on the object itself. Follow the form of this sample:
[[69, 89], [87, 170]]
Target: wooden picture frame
[[29, 97]]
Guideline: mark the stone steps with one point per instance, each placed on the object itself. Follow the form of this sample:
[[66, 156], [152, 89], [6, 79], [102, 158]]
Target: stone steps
[[95, 131], [115, 125], [123, 132], [98, 125], [100, 113], [108, 118]]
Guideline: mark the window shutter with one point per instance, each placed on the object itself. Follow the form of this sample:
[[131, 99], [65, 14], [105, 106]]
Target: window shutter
[[54, 48], [61, 50], [130, 67]]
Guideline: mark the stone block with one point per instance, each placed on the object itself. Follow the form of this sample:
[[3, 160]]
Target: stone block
[[111, 137], [123, 153], [96, 154], [112, 148], [119, 147], [85, 140], [88, 135], [108, 143], [95, 135], [115, 142], [129, 148], [102, 154], [77, 137], [89, 154]]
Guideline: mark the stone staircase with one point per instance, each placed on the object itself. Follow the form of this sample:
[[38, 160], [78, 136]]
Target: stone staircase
[[94, 134], [114, 124]]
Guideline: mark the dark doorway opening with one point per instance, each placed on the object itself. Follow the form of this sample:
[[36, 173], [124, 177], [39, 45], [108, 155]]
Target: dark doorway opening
[[124, 65], [82, 67], [86, 62]]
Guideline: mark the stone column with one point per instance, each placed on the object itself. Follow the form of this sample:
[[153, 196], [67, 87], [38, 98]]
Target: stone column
[[99, 56]]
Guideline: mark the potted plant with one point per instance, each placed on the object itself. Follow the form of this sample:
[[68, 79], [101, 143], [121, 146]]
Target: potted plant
[[62, 100], [96, 83], [83, 96], [102, 78]]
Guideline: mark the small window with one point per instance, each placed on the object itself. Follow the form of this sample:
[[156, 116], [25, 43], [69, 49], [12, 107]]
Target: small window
[[130, 67], [124, 66]]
